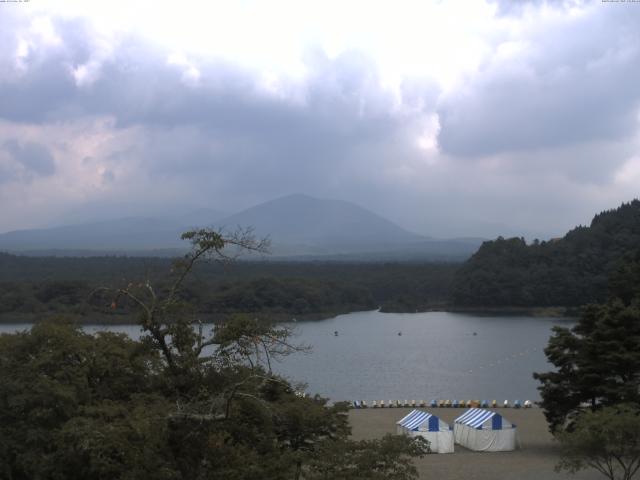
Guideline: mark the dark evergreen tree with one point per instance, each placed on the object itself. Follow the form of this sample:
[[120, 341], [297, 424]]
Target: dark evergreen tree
[[598, 360]]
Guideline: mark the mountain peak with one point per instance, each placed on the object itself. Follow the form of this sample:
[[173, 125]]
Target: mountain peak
[[300, 219]]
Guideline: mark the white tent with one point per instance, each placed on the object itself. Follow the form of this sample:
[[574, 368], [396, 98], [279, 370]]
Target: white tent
[[428, 426], [485, 431]]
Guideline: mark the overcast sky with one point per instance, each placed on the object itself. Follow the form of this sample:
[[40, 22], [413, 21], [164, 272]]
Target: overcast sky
[[449, 117]]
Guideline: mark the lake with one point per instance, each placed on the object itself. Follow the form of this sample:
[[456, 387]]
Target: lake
[[437, 355]]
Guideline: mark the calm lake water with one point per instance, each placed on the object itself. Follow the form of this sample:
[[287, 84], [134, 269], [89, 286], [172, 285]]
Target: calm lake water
[[436, 357]]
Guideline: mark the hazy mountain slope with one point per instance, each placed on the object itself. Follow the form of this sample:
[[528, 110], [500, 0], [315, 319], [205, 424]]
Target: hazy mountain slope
[[333, 225], [111, 234], [299, 226], [133, 233]]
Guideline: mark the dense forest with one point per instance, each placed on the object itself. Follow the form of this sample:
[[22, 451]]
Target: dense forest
[[32, 287], [570, 271]]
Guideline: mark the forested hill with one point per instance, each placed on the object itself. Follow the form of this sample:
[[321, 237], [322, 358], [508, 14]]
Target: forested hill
[[570, 271]]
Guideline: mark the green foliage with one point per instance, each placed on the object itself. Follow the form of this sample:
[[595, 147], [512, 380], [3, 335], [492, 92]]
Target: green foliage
[[597, 362], [389, 458], [58, 382], [624, 283], [181, 403], [37, 287], [607, 440], [571, 271]]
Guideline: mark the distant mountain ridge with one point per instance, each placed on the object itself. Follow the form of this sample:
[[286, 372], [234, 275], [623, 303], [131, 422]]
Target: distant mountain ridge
[[123, 234], [570, 271], [299, 226], [335, 225]]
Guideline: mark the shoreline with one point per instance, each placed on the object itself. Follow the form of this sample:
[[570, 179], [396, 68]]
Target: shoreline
[[98, 318]]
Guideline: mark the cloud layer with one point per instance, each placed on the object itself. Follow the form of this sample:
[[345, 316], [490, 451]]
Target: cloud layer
[[532, 131]]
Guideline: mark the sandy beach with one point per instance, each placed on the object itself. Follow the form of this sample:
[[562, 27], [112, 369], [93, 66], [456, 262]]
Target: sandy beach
[[535, 460]]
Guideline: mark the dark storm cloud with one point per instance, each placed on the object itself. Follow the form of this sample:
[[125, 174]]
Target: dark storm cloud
[[224, 132], [341, 106], [137, 85], [233, 139], [34, 158], [570, 84], [35, 84]]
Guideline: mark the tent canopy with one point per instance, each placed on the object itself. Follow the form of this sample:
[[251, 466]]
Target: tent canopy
[[479, 419], [419, 420], [485, 431], [428, 426]]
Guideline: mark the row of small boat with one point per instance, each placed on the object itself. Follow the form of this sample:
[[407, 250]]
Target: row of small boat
[[442, 404]]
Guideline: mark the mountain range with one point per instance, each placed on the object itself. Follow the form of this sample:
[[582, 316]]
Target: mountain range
[[299, 226]]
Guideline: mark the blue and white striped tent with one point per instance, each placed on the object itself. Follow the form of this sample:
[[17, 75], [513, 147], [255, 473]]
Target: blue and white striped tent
[[485, 430], [426, 425]]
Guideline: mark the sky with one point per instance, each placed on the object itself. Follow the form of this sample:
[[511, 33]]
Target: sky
[[450, 118]]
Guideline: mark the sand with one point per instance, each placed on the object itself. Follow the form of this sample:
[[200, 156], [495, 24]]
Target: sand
[[535, 460]]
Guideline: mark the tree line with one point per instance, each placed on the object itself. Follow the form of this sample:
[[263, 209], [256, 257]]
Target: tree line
[[31, 287], [569, 271]]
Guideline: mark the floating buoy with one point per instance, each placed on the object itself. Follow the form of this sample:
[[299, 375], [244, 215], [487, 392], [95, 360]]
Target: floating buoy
[[475, 333], [335, 333], [399, 334]]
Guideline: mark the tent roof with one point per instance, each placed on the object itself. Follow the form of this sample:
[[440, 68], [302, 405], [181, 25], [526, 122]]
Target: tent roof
[[475, 417], [415, 419]]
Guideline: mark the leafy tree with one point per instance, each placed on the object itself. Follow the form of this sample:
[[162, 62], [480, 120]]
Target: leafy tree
[[607, 440], [60, 384], [597, 363], [181, 403], [389, 458], [598, 360]]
